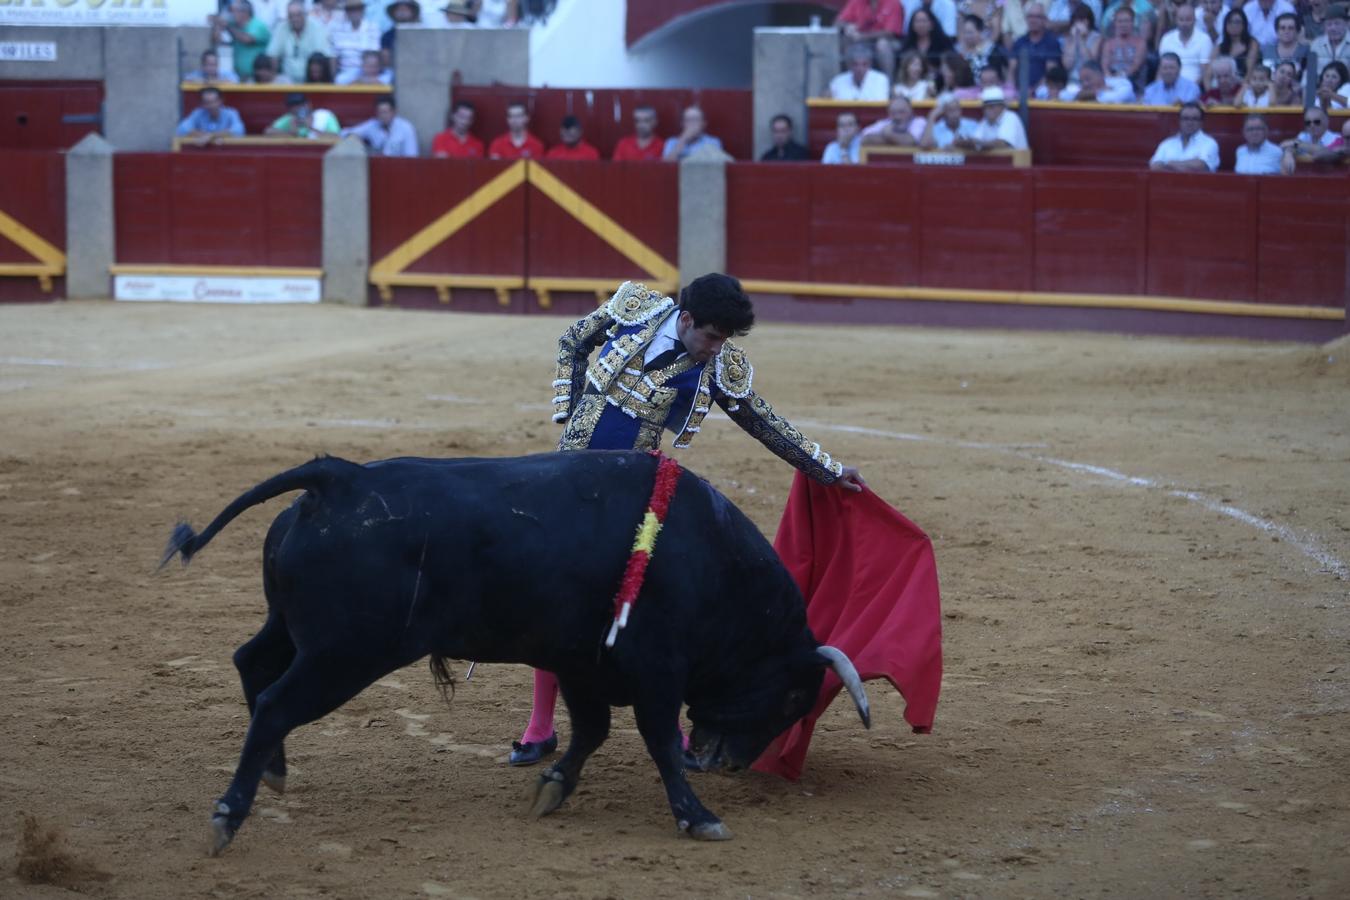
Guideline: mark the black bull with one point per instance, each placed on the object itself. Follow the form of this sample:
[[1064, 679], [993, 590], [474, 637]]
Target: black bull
[[517, 561]]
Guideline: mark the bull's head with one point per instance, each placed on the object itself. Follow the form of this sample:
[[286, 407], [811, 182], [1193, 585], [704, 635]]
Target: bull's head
[[732, 729]]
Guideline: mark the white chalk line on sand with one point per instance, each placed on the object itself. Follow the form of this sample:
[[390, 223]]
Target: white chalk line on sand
[[1308, 546], [134, 366]]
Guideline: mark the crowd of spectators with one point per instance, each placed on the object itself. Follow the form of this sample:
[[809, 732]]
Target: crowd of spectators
[[1156, 52]]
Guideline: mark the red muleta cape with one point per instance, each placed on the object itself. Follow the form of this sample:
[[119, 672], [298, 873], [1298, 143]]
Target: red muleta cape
[[871, 588]]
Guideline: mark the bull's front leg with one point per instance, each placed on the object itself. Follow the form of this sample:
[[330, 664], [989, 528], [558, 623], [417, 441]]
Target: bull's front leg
[[589, 714], [659, 724]]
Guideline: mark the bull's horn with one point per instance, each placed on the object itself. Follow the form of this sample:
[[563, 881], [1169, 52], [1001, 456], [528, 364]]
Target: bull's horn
[[843, 667]]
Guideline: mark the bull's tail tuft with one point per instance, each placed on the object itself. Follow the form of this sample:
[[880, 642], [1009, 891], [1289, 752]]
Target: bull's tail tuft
[[182, 541], [441, 675]]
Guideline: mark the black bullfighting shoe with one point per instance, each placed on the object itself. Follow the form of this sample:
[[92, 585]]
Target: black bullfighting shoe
[[531, 752]]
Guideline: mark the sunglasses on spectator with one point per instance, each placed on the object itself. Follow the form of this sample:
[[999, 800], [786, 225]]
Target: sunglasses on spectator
[[1312, 121]]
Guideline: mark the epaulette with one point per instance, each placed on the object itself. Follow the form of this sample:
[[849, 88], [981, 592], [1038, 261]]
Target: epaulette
[[733, 372], [633, 304]]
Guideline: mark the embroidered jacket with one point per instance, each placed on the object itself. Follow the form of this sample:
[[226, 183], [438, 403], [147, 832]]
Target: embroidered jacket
[[611, 404]]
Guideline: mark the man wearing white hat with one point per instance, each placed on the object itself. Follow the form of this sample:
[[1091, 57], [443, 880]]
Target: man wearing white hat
[[999, 128]]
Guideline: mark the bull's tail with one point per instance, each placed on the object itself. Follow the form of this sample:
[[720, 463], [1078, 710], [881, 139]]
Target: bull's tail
[[317, 476]]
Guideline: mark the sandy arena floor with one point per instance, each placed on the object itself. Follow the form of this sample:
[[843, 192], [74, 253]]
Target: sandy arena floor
[[1143, 547]]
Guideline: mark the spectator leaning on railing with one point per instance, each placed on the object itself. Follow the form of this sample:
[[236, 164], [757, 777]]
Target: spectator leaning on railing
[[644, 144], [304, 121], [900, 128], [1316, 143], [847, 143], [784, 148], [294, 42], [693, 139], [999, 127], [1258, 156], [1190, 149], [211, 120], [1170, 87], [456, 142], [387, 133], [945, 124]]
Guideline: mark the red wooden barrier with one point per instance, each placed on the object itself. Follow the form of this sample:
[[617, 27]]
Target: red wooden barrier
[[259, 105], [976, 229], [34, 196], [31, 112], [1091, 231], [607, 114], [1301, 255], [218, 209]]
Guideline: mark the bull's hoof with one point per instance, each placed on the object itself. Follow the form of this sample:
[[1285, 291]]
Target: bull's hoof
[[274, 781], [548, 794], [222, 831], [707, 831]]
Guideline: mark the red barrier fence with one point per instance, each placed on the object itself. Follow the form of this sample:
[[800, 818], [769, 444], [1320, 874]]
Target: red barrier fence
[[606, 114], [218, 209], [259, 105], [32, 224], [1081, 134], [1233, 238], [33, 113]]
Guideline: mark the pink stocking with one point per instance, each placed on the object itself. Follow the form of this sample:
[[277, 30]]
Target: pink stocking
[[541, 717]]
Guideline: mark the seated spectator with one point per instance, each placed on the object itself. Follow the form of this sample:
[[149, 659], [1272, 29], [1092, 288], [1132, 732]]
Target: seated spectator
[[914, 81], [847, 143], [1236, 43], [303, 121], [1333, 88], [1059, 14], [999, 127], [387, 134], [900, 128], [1082, 42], [517, 142], [945, 124], [1041, 45], [926, 36], [1094, 86], [1227, 90], [1124, 52], [861, 81], [942, 11], [1287, 46], [1256, 92], [371, 71], [1258, 156], [1055, 86], [210, 73], [571, 145], [212, 120], [875, 24], [644, 144], [1190, 149], [990, 14], [326, 12], [693, 139], [1171, 87], [399, 12], [300, 38], [977, 50], [456, 142], [956, 78], [1333, 44], [1285, 88], [265, 71], [1145, 18], [1315, 138], [784, 148], [244, 32], [992, 76], [1261, 16], [351, 35], [1192, 46], [318, 69]]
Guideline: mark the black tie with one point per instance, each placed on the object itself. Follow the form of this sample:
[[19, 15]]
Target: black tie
[[661, 360]]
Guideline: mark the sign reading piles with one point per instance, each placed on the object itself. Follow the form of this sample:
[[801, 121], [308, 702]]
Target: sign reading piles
[[216, 289], [105, 12], [27, 51]]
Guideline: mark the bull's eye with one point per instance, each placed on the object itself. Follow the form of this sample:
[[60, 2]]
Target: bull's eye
[[795, 702]]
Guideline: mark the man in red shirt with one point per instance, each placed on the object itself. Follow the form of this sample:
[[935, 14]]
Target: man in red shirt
[[877, 23], [455, 142], [517, 143], [572, 146], [645, 145]]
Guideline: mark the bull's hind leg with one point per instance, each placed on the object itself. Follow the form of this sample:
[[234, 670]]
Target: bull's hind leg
[[658, 722], [589, 713], [261, 661], [313, 686]]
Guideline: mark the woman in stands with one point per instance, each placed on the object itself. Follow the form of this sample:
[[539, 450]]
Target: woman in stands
[[926, 36], [1125, 52], [318, 69], [956, 77], [974, 45], [990, 14], [1333, 88], [1286, 89], [1082, 41], [914, 78], [1237, 42], [1287, 46]]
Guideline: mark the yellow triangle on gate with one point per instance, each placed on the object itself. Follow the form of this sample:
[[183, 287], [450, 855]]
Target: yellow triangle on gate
[[51, 261]]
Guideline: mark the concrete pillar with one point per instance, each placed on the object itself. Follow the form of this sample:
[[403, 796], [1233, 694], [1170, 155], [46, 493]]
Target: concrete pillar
[[428, 58], [703, 216], [90, 234], [346, 222], [791, 64], [140, 82]]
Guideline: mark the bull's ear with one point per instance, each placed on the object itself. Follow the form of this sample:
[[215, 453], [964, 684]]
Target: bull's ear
[[843, 667]]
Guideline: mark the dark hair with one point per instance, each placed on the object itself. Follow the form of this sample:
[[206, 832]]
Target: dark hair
[[386, 98], [997, 63], [719, 301], [265, 61], [570, 121], [1124, 8], [1257, 118], [463, 104], [782, 117], [1094, 66], [962, 76], [938, 40], [209, 90], [1282, 16], [1191, 104], [1169, 54], [325, 76], [209, 51], [295, 99], [1226, 42], [647, 106], [974, 20], [1083, 11], [1055, 74], [1340, 68]]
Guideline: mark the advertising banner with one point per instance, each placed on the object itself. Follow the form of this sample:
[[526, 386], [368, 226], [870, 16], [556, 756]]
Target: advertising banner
[[106, 12], [216, 289]]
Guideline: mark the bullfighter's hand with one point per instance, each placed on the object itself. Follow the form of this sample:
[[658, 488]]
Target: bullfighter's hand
[[850, 479]]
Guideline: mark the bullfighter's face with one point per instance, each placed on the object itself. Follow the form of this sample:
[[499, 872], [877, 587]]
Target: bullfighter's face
[[701, 342]]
